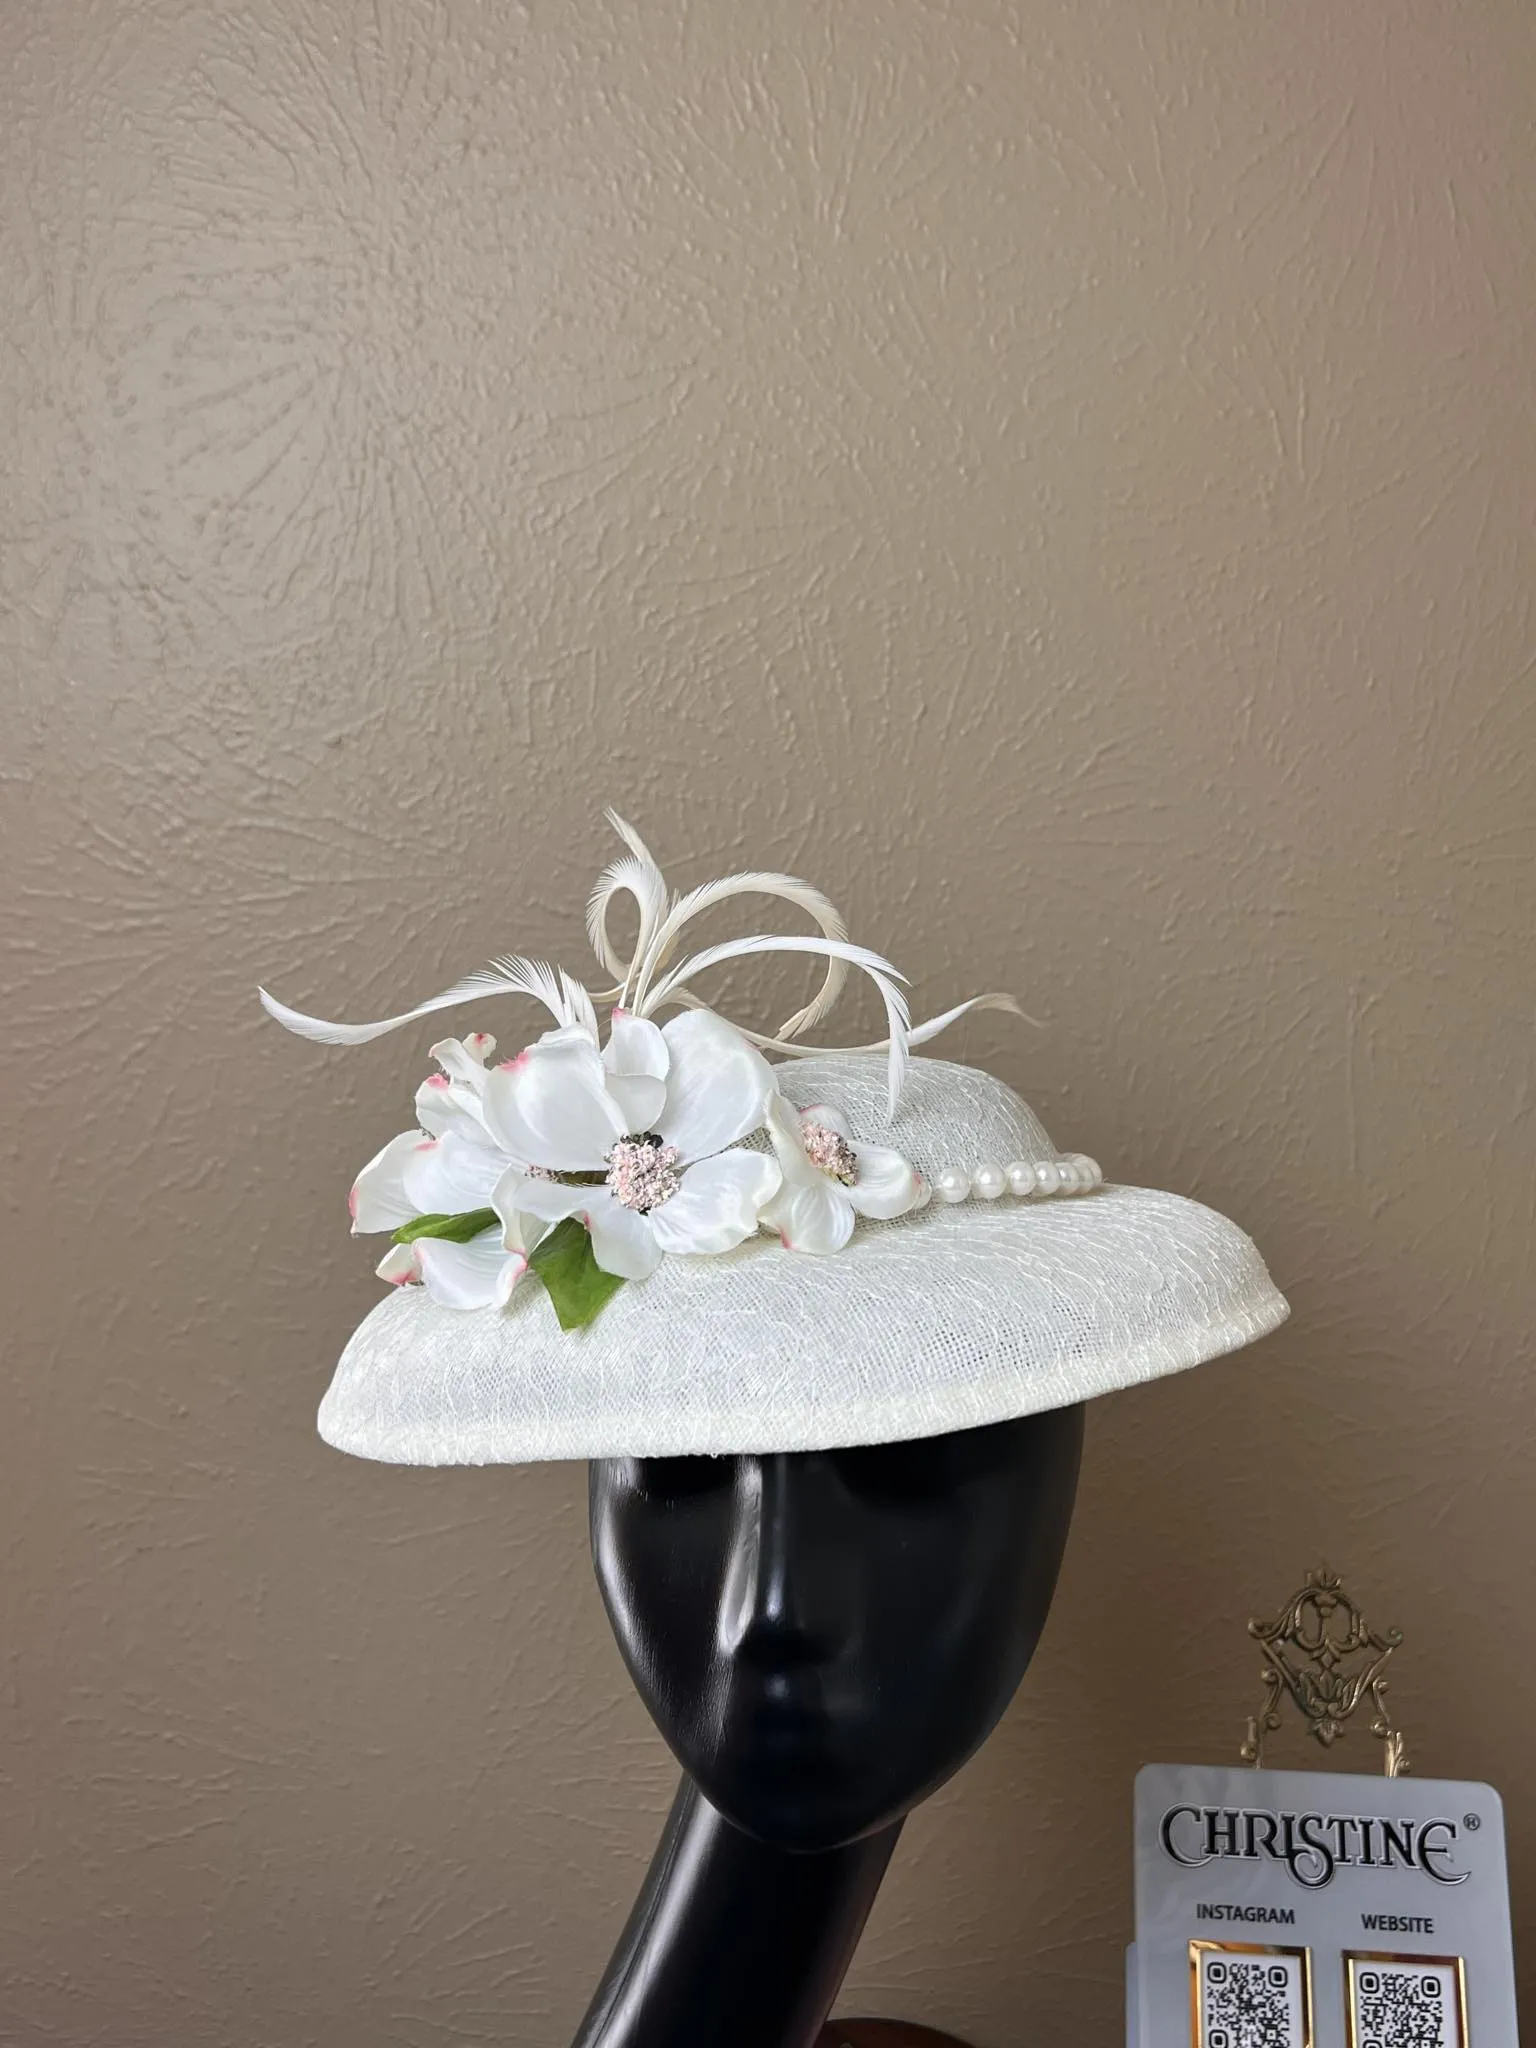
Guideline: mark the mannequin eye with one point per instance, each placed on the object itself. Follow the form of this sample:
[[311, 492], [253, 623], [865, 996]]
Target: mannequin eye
[[902, 1471], [683, 1478]]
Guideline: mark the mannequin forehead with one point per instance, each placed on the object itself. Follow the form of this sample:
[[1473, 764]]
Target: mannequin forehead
[[917, 1466]]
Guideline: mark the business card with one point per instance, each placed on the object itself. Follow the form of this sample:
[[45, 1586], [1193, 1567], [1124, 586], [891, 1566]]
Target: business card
[[1314, 1909]]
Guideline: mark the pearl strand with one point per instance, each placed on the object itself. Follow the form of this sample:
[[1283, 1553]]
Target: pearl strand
[[1076, 1174]]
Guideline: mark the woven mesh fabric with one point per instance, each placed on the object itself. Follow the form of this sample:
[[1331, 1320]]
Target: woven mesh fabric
[[947, 1116], [943, 1320]]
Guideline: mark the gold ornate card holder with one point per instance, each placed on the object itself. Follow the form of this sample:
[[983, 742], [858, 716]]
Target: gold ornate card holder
[[1320, 1652]]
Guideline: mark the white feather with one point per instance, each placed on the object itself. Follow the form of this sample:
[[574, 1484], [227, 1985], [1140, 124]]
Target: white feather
[[635, 874], [647, 982], [875, 965], [786, 889], [578, 1005], [566, 1000], [999, 999], [918, 1034]]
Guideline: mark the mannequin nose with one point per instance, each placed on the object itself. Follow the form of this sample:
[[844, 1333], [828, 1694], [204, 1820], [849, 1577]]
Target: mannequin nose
[[776, 1582], [785, 1609]]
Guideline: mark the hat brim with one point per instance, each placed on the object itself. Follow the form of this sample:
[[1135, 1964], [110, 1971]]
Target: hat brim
[[941, 1321]]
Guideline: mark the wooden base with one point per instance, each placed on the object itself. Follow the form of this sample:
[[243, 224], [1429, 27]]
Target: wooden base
[[883, 2034]]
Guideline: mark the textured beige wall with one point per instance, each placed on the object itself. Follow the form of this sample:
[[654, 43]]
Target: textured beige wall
[[1061, 476]]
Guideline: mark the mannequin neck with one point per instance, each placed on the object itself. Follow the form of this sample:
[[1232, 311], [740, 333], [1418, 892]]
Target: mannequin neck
[[733, 1941]]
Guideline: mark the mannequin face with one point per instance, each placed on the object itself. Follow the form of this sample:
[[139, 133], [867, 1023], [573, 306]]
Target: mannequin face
[[823, 1637]]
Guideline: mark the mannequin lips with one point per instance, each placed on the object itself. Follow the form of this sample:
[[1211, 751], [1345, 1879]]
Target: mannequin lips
[[802, 1793], [799, 1711], [796, 1763]]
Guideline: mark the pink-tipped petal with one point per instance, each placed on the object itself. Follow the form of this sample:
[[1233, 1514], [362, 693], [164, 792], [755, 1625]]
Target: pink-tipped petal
[[782, 1121], [717, 1085], [829, 1118], [464, 1276], [542, 1201], [553, 1106], [463, 1060], [636, 1059], [446, 1176], [513, 1267], [521, 1230], [453, 1099], [623, 1241], [718, 1205], [398, 1265], [811, 1219], [887, 1186], [378, 1200]]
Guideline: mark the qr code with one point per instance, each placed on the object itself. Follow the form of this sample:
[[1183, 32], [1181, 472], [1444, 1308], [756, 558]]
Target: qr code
[[1406, 2003], [1252, 2000]]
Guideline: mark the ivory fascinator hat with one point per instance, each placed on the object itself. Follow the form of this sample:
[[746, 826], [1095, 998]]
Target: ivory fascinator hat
[[662, 1233]]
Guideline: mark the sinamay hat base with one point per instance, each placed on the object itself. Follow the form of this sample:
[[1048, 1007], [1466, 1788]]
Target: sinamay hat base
[[941, 1320]]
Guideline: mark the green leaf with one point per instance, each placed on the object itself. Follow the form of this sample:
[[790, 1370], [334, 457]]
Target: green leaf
[[576, 1283], [458, 1229]]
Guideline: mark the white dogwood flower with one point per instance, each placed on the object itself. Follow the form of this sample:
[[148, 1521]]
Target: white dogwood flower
[[450, 1162], [478, 1274], [830, 1178], [449, 1166], [655, 1115]]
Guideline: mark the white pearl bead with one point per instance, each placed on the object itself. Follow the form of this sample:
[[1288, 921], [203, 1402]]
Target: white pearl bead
[[1048, 1177], [953, 1185], [1090, 1169], [988, 1182], [923, 1196], [1021, 1178], [1071, 1181]]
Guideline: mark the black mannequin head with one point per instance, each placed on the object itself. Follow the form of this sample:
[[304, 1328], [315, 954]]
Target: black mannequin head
[[823, 1637]]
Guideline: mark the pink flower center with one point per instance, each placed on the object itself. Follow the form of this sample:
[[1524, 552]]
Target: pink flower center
[[832, 1152], [643, 1171]]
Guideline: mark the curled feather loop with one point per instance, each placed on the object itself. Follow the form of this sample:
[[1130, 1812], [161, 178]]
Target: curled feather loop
[[646, 980]]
